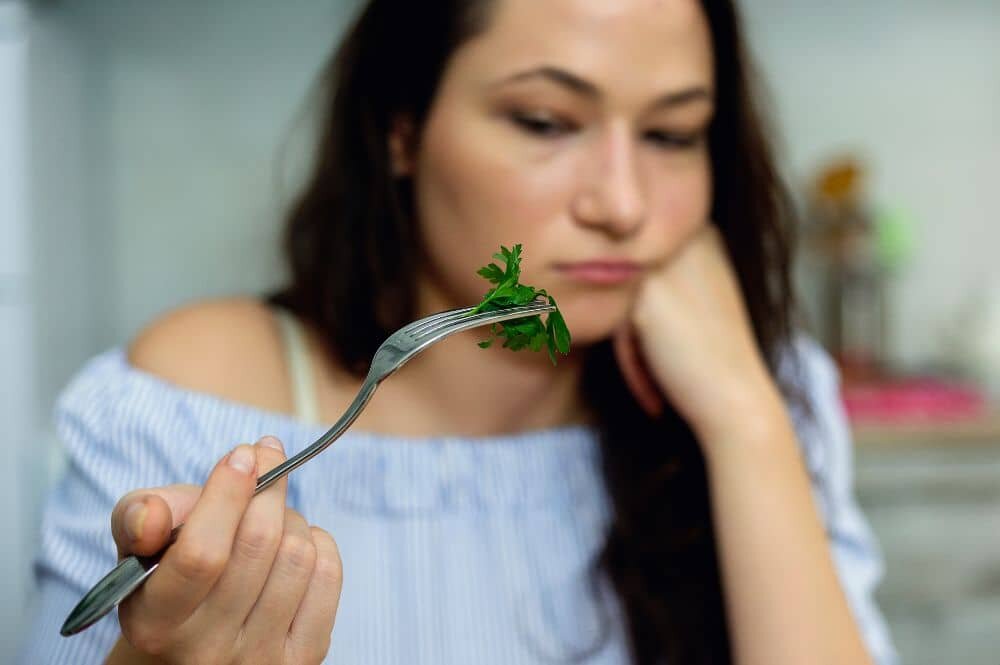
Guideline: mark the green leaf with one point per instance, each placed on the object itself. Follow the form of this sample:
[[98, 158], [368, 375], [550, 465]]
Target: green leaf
[[523, 294], [514, 263], [505, 290], [560, 332], [491, 272], [527, 332], [551, 349], [528, 325]]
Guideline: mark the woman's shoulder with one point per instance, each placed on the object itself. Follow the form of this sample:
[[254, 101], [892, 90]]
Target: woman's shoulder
[[191, 385], [230, 348]]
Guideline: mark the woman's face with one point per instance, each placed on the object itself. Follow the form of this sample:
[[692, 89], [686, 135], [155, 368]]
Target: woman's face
[[577, 128]]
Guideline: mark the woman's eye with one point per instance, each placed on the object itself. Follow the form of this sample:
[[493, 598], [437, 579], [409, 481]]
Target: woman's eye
[[539, 125], [675, 140]]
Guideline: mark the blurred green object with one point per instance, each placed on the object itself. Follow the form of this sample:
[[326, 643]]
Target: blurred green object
[[895, 236]]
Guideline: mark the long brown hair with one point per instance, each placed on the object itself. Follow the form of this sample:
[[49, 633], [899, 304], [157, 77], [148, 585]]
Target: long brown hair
[[350, 241]]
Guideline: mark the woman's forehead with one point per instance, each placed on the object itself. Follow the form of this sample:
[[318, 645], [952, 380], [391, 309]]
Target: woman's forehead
[[648, 45]]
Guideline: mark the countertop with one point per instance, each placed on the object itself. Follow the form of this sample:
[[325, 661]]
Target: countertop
[[981, 431]]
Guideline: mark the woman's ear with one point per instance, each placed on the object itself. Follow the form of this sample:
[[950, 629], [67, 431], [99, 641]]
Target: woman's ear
[[402, 145]]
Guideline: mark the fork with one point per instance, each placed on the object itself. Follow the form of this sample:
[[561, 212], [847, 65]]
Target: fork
[[393, 353]]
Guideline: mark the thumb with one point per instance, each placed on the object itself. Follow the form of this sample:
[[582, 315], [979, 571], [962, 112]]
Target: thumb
[[142, 519], [635, 371]]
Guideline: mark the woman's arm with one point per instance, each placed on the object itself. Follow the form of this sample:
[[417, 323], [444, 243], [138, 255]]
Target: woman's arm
[[690, 338], [784, 601]]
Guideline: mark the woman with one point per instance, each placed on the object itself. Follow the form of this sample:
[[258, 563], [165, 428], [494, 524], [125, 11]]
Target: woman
[[646, 500]]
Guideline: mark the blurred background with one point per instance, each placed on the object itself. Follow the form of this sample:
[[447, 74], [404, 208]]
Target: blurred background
[[147, 150]]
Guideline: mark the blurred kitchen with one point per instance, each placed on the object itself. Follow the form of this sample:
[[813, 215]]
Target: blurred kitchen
[[147, 149]]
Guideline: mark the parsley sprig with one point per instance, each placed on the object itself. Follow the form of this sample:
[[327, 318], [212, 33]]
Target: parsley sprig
[[525, 332]]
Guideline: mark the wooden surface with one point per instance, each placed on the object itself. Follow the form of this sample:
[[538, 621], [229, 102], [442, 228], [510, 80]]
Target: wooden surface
[[983, 431]]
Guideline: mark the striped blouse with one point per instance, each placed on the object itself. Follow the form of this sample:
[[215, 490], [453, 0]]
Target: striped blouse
[[455, 550]]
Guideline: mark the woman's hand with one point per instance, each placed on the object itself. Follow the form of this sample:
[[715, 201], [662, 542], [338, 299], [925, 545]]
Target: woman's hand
[[689, 337], [246, 581]]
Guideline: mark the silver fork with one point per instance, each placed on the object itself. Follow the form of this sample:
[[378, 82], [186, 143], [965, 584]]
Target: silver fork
[[394, 352]]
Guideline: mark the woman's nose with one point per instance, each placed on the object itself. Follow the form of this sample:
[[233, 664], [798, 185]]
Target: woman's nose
[[610, 193]]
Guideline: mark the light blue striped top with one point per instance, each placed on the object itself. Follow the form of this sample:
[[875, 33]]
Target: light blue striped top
[[455, 550]]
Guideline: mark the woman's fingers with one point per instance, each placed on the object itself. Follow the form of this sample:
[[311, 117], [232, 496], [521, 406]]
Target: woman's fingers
[[309, 634], [279, 600], [253, 550], [142, 520], [193, 564], [635, 372], [264, 583]]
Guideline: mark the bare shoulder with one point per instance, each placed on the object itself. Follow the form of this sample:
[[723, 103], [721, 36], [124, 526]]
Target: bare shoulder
[[227, 347]]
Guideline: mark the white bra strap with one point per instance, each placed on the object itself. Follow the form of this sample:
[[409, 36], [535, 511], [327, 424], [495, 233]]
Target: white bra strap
[[299, 369]]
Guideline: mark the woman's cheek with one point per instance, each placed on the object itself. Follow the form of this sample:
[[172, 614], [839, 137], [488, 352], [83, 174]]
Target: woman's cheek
[[686, 201]]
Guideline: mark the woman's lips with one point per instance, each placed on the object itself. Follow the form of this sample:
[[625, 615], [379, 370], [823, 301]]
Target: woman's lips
[[601, 272]]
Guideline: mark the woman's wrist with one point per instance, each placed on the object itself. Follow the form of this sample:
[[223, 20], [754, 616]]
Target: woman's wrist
[[748, 416]]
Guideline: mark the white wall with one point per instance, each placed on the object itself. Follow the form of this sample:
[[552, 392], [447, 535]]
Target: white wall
[[913, 85], [198, 99], [17, 390], [67, 233]]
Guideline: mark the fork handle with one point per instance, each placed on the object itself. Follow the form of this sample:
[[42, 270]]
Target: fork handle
[[113, 588], [133, 570], [331, 435]]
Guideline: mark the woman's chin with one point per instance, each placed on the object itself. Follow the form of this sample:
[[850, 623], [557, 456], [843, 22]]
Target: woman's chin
[[590, 322]]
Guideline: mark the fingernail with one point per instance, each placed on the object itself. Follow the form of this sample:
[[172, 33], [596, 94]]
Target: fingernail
[[243, 459], [272, 442], [135, 516]]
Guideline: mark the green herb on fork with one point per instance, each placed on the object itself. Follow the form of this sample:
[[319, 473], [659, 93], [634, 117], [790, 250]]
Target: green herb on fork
[[525, 332]]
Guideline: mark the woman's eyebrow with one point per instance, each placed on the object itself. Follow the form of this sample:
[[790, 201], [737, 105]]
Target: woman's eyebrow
[[583, 87]]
